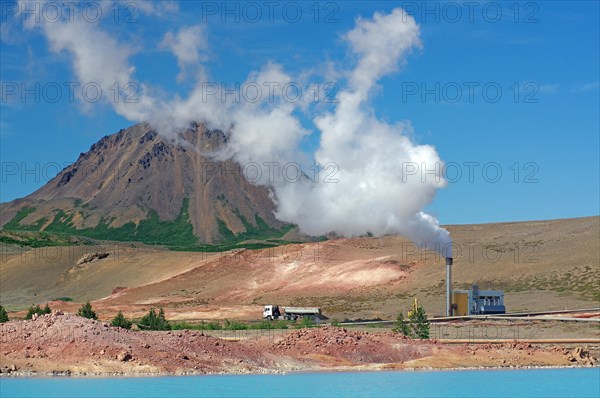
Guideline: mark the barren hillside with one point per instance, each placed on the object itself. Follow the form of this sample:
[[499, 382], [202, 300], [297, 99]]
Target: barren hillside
[[541, 265]]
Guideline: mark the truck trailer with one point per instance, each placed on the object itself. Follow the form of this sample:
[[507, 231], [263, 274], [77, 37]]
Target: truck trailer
[[272, 312]]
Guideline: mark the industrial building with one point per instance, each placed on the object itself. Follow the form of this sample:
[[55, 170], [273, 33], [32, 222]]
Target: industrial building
[[477, 302]]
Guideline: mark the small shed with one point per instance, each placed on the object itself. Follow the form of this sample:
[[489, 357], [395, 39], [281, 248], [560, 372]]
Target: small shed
[[477, 302]]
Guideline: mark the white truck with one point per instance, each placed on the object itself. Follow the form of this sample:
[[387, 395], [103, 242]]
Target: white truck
[[271, 312]]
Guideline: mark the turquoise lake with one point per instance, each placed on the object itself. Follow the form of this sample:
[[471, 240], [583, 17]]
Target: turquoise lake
[[476, 383]]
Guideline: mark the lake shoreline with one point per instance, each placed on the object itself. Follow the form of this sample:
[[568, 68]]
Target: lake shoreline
[[101, 375]]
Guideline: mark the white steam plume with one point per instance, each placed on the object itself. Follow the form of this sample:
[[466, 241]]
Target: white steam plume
[[373, 193]]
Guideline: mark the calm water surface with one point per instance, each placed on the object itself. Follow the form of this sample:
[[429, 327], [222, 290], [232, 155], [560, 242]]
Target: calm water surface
[[492, 383]]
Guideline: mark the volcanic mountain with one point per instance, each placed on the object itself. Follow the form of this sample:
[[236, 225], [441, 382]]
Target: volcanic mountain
[[137, 185]]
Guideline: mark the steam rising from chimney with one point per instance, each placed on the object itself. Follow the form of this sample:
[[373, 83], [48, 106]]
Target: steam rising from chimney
[[371, 194]]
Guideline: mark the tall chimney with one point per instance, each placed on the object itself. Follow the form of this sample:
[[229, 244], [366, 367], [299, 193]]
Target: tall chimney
[[448, 286]]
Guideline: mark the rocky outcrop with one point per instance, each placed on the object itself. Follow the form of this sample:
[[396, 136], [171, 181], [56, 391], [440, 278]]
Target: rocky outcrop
[[88, 258], [581, 356]]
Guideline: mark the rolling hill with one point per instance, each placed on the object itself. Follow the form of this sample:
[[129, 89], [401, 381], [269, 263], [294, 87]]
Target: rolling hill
[[540, 264]]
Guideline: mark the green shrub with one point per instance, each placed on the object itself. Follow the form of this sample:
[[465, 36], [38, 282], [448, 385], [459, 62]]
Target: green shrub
[[67, 299], [234, 325], [33, 310], [402, 326], [86, 311], [3, 315], [417, 325], [268, 325], [306, 322], [37, 310], [120, 321], [280, 324], [152, 321], [335, 322], [211, 326], [196, 326], [420, 323], [264, 324], [185, 326]]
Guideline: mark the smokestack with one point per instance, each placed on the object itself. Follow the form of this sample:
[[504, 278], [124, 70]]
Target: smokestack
[[448, 286]]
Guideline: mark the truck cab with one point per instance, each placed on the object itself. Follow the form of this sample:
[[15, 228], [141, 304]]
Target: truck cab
[[271, 312]]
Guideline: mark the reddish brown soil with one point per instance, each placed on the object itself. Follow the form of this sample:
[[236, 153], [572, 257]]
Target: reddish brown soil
[[352, 346], [73, 345], [68, 342], [541, 265]]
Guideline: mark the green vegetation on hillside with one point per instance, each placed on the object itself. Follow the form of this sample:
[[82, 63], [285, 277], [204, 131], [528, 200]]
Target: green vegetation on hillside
[[40, 239], [15, 222], [149, 231], [177, 234], [261, 231]]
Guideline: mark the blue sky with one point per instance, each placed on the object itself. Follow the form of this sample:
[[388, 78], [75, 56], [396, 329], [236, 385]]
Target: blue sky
[[541, 133]]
